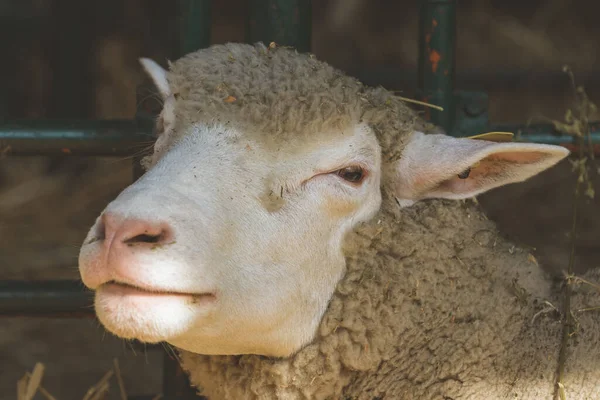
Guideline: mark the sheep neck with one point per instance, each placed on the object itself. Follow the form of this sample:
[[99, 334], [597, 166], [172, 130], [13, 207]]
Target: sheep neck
[[424, 295]]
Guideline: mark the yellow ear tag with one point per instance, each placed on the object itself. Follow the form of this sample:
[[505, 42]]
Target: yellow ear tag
[[494, 136]]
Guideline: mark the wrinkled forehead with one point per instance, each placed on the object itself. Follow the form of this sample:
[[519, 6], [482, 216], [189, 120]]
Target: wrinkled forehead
[[349, 144], [353, 142]]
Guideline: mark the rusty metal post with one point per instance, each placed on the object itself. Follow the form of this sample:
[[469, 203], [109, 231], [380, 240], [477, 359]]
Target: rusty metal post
[[285, 22], [437, 41], [195, 18], [195, 25]]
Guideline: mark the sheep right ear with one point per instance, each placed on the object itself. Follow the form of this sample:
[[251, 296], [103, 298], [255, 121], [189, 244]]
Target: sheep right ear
[[158, 75], [444, 167]]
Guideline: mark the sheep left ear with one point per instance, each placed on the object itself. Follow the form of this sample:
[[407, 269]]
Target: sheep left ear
[[158, 75], [440, 166]]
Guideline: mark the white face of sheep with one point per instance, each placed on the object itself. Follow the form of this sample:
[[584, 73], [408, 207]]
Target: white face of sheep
[[226, 247]]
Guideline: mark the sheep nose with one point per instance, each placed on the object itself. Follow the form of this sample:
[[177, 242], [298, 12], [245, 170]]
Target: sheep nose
[[118, 231]]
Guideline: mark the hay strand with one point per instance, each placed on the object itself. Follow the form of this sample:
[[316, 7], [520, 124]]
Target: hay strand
[[99, 389], [31, 383], [42, 390], [577, 125], [421, 103], [22, 387], [120, 380], [34, 381]]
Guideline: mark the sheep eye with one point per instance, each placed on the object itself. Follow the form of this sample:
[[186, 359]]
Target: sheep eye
[[352, 174], [464, 174]]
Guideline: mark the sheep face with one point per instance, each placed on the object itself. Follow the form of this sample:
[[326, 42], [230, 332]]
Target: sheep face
[[226, 247], [231, 243]]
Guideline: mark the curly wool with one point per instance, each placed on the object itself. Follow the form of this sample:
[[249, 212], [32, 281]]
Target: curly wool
[[434, 303], [292, 96]]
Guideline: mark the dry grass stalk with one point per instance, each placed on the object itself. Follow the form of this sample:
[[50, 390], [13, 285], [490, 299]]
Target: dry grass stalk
[[120, 380], [34, 381], [42, 390], [31, 383], [421, 103], [97, 391], [22, 387], [577, 125]]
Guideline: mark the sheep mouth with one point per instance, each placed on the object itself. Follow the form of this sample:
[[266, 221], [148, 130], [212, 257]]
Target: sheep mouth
[[129, 288]]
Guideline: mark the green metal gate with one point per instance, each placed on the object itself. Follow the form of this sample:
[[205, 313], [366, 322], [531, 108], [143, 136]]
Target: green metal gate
[[286, 22]]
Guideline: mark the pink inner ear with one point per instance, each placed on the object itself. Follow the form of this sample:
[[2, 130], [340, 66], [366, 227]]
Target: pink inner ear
[[519, 157], [492, 167], [476, 177]]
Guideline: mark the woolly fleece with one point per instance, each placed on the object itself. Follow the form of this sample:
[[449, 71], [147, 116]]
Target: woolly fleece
[[435, 304]]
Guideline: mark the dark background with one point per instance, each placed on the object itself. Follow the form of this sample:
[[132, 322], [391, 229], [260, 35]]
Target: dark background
[[78, 59]]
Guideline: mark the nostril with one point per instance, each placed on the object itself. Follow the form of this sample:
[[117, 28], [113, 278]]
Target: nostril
[[145, 238], [133, 231], [136, 232]]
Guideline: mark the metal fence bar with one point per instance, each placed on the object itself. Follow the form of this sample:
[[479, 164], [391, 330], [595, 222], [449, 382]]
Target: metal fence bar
[[545, 133], [547, 80], [84, 137], [127, 137], [285, 22], [54, 298], [437, 37]]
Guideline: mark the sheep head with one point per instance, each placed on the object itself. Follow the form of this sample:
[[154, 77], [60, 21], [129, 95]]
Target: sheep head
[[231, 243]]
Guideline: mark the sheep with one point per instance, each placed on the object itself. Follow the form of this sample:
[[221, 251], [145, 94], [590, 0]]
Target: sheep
[[298, 235]]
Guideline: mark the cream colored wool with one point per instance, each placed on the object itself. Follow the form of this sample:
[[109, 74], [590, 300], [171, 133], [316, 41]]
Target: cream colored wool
[[283, 96], [435, 304]]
